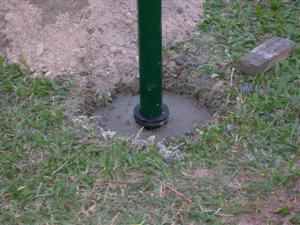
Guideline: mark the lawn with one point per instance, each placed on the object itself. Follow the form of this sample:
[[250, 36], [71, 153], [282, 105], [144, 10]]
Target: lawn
[[244, 169]]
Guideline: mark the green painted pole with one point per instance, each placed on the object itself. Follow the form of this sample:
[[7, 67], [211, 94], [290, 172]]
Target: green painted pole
[[151, 112]]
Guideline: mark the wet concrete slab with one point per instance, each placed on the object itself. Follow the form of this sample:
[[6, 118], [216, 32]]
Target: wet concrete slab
[[185, 114]]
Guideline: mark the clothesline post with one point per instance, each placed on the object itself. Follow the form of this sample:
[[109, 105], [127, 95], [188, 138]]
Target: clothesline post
[[150, 113]]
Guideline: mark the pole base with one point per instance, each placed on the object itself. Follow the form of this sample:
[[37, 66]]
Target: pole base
[[153, 123]]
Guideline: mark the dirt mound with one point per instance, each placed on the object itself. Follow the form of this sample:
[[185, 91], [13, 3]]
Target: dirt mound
[[84, 37]]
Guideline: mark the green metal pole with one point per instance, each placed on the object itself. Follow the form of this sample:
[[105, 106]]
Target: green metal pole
[[150, 48], [151, 112]]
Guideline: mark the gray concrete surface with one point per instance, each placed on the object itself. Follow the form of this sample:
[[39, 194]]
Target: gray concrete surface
[[185, 114]]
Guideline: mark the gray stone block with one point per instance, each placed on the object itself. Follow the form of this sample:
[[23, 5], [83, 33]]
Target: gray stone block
[[266, 55]]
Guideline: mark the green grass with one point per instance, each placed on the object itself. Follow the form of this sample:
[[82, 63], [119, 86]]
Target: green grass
[[51, 175]]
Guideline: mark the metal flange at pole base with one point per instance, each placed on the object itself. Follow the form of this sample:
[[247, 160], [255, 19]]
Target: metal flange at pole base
[[153, 123]]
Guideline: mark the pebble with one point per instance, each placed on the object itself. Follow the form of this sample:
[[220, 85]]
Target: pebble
[[247, 88]]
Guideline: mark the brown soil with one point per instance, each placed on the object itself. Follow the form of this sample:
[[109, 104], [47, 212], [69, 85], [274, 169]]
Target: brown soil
[[277, 207], [84, 37], [269, 208], [94, 42]]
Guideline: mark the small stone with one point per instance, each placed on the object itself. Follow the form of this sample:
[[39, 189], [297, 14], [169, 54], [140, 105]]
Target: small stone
[[180, 61], [91, 30], [58, 98], [247, 88], [44, 70], [266, 55], [229, 127], [36, 74], [48, 74], [179, 11]]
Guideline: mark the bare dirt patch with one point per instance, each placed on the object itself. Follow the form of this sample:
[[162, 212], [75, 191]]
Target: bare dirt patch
[[279, 208], [85, 37]]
